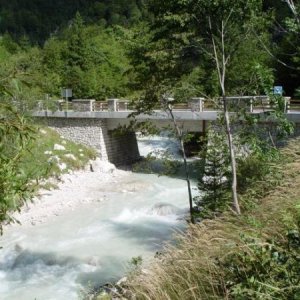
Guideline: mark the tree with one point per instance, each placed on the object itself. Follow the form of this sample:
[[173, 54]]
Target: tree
[[167, 106], [214, 180], [183, 38], [284, 49], [222, 58]]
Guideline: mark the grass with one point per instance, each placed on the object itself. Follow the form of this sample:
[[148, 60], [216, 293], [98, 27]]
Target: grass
[[43, 161], [231, 257]]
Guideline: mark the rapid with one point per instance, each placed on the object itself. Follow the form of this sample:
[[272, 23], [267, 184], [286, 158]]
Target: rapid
[[91, 244]]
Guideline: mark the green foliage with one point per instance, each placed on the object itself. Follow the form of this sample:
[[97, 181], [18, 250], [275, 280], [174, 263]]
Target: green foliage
[[286, 43], [90, 60], [39, 19], [214, 183], [254, 256], [27, 156], [15, 136], [51, 161], [173, 53], [265, 270]]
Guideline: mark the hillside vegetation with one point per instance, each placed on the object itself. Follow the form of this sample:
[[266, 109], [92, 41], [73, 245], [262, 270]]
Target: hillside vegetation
[[104, 49], [253, 256], [29, 156]]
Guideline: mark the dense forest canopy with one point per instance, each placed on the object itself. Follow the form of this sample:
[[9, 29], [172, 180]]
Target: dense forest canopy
[[38, 19], [106, 48]]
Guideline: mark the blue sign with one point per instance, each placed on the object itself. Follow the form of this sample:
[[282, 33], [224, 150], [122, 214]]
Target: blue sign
[[278, 90]]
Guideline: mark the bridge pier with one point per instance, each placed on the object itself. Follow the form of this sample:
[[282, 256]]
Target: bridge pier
[[115, 148]]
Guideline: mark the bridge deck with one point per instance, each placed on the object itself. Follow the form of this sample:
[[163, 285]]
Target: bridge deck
[[116, 112]]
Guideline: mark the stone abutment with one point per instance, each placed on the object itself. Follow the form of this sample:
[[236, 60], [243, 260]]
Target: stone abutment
[[115, 148]]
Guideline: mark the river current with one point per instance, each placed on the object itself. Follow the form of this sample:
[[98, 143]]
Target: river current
[[93, 244]]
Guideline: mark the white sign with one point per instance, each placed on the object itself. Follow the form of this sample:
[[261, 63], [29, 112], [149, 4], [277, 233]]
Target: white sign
[[66, 93], [278, 90]]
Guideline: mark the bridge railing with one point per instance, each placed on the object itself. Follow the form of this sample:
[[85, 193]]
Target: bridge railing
[[248, 103]]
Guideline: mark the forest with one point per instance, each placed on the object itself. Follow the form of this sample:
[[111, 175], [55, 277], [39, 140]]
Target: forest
[[104, 49]]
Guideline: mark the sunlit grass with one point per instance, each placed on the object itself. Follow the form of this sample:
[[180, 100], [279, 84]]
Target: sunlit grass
[[43, 161], [194, 267]]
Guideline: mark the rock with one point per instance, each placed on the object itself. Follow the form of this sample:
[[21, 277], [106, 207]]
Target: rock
[[62, 166], [122, 280], [102, 166], [198, 220], [163, 209], [42, 131], [48, 152], [93, 261], [59, 147]]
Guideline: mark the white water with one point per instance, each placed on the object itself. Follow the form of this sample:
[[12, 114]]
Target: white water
[[92, 244]]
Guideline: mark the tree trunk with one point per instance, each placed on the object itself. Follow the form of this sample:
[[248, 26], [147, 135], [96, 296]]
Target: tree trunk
[[221, 63], [235, 202], [187, 176]]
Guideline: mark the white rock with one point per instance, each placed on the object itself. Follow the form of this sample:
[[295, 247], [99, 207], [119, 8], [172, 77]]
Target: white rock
[[102, 166], [80, 150], [59, 147], [42, 131], [64, 142], [81, 154], [122, 280], [48, 152], [62, 166]]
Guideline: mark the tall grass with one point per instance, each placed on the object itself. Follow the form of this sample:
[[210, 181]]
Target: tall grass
[[232, 257]]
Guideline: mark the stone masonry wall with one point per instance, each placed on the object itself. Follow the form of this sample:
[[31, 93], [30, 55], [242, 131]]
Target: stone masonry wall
[[119, 150]]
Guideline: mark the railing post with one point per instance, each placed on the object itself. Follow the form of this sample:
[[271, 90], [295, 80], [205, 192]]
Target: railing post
[[112, 104], [196, 104], [287, 104], [251, 105]]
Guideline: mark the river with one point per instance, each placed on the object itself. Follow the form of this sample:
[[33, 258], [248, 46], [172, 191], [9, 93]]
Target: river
[[92, 244]]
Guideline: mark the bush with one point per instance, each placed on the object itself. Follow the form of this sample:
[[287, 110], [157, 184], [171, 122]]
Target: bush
[[15, 136], [265, 270]]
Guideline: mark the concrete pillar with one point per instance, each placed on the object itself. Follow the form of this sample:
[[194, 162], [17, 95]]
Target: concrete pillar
[[196, 104], [112, 104]]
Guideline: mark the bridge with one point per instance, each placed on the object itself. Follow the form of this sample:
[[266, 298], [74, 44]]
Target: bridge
[[92, 122]]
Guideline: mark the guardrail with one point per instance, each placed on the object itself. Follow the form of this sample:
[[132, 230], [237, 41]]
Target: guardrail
[[249, 103]]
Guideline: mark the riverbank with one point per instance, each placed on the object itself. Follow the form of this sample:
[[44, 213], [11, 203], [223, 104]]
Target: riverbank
[[71, 191], [84, 247], [252, 256]]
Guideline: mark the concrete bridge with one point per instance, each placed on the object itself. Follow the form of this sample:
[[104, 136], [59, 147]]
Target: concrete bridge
[[82, 122]]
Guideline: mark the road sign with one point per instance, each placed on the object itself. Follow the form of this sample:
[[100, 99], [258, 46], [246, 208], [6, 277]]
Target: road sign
[[278, 90], [66, 93]]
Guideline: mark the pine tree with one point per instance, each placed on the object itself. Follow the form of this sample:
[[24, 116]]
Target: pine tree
[[214, 182]]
